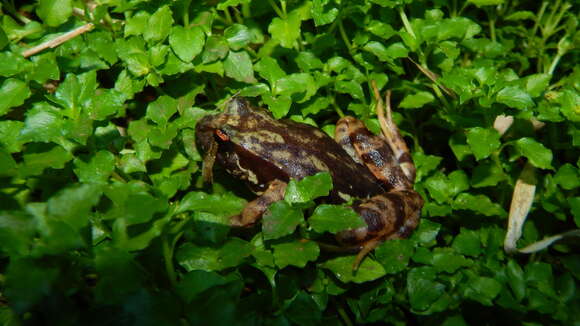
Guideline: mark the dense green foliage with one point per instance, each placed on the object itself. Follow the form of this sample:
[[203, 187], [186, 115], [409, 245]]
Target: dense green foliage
[[104, 218]]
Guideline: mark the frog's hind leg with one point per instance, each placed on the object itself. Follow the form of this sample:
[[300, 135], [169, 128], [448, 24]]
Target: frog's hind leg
[[373, 152], [257, 207], [392, 134], [392, 215]]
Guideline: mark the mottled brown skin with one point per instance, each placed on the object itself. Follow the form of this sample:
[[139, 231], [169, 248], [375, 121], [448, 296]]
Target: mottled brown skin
[[266, 153]]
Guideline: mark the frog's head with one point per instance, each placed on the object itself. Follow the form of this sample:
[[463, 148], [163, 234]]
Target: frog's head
[[238, 118]]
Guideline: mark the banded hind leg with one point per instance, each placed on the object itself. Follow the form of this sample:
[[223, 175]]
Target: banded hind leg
[[394, 214]]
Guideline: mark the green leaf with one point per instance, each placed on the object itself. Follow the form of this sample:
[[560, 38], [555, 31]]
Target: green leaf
[[137, 24], [536, 84], [308, 61], [3, 39], [302, 83], [333, 219], [13, 92], [516, 279], [280, 220], [309, 188], [535, 151], [73, 204], [304, 310], [342, 268], [574, 203], [478, 203], [230, 254], [296, 253], [515, 97], [380, 29], [350, 87], [210, 227], [187, 43], [161, 110], [427, 232], [96, 169], [27, 282], [481, 3], [323, 13], [567, 177], [417, 100], [237, 36], [215, 48], [278, 105], [446, 260], [136, 208], [269, 69], [422, 289], [394, 255], [483, 141], [35, 161], [43, 124], [159, 25], [225, 204], [54, 12], [12, 64], [467, 242], [238, 66], [45, 68], [231, 3], [482, 289], [9, 135], [286, 30], [487, 174]]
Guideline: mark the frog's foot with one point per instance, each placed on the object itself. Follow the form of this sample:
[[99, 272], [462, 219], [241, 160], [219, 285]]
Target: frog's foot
[[392, 134], [209, 161], [366, 248], [257, 207]]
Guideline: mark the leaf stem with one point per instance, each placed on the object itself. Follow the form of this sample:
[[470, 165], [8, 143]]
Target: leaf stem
[[276, 9], [168, 258], [229, 20], [406, 23], [337, 108], [492, 30], [539, 17], [344, 315], [344, 37], [554, 63]]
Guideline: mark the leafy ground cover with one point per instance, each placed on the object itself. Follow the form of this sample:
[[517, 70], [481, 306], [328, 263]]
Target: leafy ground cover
[[104, 218]]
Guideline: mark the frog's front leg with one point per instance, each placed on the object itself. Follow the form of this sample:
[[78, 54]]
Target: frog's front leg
[[257, 207]]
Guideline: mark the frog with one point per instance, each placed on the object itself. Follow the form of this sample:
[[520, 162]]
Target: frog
[[373, 172]]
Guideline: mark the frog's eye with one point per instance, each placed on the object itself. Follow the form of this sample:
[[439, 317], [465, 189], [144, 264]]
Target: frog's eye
[[222, 135]]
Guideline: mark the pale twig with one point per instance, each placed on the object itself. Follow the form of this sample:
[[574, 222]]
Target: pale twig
[[59, 40]]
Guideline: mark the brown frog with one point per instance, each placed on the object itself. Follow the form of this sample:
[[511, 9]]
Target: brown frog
[[266, 153]]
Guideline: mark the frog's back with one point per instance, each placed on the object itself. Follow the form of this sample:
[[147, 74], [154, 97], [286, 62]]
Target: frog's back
[[300, 150]]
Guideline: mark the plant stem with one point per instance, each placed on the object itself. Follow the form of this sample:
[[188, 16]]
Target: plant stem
[[344, 37], [554, 63], [276, 9], [168, 258], [229, 20], [59, 40], [539, 18], [492, 29], [406, 23], [344, 316]]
